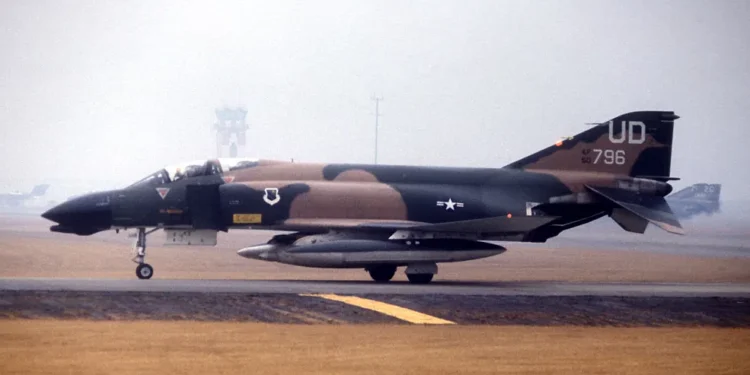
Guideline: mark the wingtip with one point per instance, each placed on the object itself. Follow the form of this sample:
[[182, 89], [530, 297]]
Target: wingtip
[[671, 228]]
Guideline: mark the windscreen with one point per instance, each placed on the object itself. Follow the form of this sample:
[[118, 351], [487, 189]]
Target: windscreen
[[160, 177]]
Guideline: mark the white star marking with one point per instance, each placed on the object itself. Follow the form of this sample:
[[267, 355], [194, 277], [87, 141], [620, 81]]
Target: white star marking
[[450, 204]]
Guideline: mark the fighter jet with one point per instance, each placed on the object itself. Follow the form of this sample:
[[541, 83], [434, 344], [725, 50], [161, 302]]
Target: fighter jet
[[696, 199], [381, 217], [16, 198]]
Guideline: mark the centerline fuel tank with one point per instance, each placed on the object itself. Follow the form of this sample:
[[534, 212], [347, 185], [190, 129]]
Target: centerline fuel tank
[[315, 251]]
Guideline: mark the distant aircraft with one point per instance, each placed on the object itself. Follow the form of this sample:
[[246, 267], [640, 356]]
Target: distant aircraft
[[381, 217], [696, 199], [78, 195], [14, 199]]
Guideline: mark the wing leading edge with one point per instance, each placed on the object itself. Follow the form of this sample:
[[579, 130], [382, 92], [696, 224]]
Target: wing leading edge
[[482, 227]]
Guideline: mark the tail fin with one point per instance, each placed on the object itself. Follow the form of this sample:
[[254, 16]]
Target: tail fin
[[39, 190], [701, 191], [633, 144]]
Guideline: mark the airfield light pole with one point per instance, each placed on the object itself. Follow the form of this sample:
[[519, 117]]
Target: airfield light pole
[[377, 116]]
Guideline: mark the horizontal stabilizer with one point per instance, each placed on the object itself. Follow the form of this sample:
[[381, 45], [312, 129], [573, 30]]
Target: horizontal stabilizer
[[632, 209], [492, 225]]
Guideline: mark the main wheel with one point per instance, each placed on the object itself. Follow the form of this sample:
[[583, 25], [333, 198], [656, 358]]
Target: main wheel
[[382, 274], [144, 271], [419, 278]]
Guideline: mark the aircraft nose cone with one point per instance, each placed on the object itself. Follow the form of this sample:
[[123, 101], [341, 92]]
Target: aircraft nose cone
[[52, 214], [65, 212], [82, 214]]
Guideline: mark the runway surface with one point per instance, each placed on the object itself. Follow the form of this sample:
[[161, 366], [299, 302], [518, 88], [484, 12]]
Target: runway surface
[[584, 279], [537, 288]]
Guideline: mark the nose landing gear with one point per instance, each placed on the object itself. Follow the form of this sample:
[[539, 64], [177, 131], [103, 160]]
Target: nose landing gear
[[144, 271]]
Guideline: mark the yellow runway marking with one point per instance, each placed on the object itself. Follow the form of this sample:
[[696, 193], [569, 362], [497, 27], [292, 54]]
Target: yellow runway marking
[[397, 312]]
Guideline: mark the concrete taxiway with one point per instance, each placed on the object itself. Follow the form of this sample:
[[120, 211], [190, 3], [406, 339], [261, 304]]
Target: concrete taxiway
[[620, 280], [539, 288]]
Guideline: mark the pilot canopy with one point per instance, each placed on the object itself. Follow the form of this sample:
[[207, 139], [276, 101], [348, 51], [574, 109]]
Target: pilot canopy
[[196, 168]]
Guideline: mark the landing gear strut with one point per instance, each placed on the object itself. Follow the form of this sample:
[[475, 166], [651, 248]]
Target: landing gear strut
[[144, 270], [383, 273]]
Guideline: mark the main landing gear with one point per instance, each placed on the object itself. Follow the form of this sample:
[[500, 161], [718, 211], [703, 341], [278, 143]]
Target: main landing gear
[[419, 278], [421, 273], [383, 273], [144, 270], [417, 273]]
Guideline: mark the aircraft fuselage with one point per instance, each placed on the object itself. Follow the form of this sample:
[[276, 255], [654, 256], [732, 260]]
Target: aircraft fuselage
[[380, 217], [294, 196]]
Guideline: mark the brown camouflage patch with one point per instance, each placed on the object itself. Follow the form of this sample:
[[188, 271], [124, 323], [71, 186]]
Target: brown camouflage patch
[[341, 200], [356, 175], [572, 158], [280, 171]]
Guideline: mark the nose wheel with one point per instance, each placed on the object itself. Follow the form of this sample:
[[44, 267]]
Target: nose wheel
[[144, 271]]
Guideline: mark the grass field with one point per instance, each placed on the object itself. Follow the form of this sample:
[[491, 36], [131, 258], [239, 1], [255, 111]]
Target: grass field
[[84, 347]]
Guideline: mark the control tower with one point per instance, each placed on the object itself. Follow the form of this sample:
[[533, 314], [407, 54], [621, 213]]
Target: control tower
[[231, 130]]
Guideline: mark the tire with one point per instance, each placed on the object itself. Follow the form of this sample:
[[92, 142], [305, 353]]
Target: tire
[[144, 271], [419, 278], [382, 274]]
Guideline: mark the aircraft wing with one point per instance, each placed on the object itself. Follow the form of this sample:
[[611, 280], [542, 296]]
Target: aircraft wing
[[634, 211], [320, 224], [482, 227], [489, 226]]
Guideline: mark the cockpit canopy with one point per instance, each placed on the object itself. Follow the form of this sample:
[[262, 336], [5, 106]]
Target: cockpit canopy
[[196, 168]]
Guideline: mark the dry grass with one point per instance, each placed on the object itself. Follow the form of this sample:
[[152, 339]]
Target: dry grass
[[81, 347]]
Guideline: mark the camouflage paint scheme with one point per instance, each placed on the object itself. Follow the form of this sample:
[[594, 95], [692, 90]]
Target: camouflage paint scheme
[[618, 168], [697, 199]]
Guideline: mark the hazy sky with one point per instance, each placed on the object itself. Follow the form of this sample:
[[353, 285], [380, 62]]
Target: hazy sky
[[108, 91]]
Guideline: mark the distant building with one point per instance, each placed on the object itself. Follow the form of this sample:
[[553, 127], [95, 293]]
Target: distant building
[[231, 130]]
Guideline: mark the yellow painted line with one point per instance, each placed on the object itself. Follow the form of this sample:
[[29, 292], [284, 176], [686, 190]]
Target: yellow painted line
[[397, 312]]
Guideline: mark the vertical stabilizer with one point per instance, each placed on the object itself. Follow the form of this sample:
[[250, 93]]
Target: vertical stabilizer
[[633, 144]]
